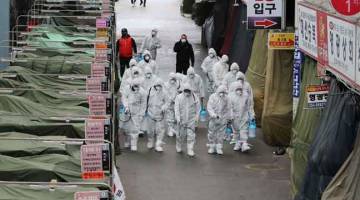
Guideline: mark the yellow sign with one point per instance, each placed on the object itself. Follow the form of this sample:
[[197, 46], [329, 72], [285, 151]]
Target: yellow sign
[[282, 41], [102, 33]]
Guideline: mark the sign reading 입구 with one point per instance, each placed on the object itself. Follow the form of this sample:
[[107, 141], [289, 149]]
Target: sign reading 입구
[[265, 14]]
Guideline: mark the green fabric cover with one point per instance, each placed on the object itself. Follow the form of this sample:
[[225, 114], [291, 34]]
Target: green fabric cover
[[26, 192], [20, 148], [49, 82], [256, 71], [21, 106], [345, 185], [277, 114], [41, 126], [304, 124]]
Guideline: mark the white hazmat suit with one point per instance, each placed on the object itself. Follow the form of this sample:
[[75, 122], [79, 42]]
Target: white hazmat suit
[[149, 81], [187, 109], [242, 114], [135, 73], [134, 101], [208, 66], [148, 62], [220, 69], [195, 81], [155, 109], [173, 86], [129, 72], [151, 44], [219, 109], [230, 77]]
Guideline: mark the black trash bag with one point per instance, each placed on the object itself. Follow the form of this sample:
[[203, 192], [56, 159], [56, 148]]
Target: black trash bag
[[334, 141]]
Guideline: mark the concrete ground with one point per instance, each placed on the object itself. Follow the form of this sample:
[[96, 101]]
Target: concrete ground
[[147, 175]]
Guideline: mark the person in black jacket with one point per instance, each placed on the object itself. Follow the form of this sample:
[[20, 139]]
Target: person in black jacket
[[184, 55]]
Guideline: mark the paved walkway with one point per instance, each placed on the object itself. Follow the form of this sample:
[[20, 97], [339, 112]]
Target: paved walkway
[[148, 175]]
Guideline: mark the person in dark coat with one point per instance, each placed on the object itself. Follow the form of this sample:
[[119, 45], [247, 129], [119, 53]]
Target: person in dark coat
[[126, 48], [184, 55]]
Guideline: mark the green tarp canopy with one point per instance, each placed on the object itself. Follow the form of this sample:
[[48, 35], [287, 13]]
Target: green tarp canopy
[[277, 113], [41, 126], [304, 124], [256, 72], [345, 185], [37, 80], [32, 192]]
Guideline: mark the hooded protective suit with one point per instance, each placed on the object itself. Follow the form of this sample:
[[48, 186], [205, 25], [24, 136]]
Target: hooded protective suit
[[129, 72], [151, 44], [155, 109], [207, 67], [172, 86], [149, 79], [187, 109], [219, 109], [230, 77], [242, 114], [195, 82], [148, 62], [220, 69], [247, 89], [134, 101], [135, 73]]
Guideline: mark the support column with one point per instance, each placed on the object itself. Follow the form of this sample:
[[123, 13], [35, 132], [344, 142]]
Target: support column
[[4, 31]]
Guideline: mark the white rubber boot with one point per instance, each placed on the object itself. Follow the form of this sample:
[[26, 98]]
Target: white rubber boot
[[150, 143], [134, 141], [127, 141], [211, 149], [237, 146], [170, 132], [190, 150], [219, 149], [245, 147], [178, 147]]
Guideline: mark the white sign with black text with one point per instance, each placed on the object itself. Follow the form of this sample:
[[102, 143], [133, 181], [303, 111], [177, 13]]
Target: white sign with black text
[[341, 47], [307, 22]]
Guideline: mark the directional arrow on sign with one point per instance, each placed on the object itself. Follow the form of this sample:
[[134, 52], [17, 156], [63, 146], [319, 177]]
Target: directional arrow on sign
[[266, 23]]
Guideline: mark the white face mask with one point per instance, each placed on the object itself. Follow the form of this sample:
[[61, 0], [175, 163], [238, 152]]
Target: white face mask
[[187, 94], [234, 71], [148, 76], [172, 82], [183, 40], [211, 55], [136, 89], [158, 88], [239, 92], [147, 58]]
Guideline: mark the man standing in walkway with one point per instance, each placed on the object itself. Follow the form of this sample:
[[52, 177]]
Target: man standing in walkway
[[151, 43], [184, 55], [126, 47]]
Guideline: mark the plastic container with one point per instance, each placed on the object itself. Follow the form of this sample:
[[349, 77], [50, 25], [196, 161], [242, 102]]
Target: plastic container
[[121, 109], [252, 129], [203, 115], [228, 133]]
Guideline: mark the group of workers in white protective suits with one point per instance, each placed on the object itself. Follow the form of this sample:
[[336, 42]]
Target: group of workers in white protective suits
[[153, 107]]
